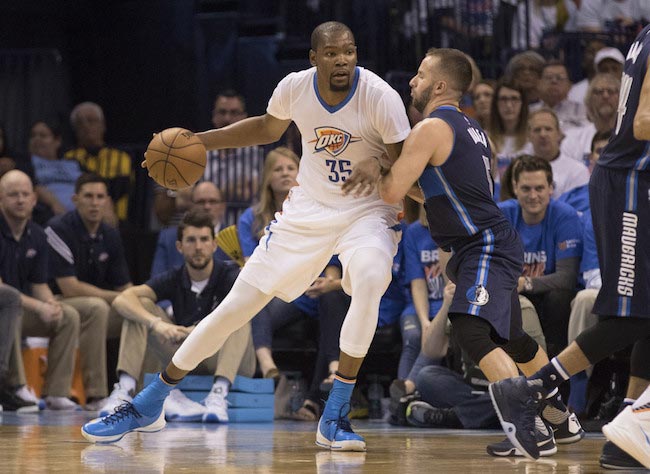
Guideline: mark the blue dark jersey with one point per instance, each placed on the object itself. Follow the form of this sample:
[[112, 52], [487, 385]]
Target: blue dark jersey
[[623, 150], [558, 236], [189, 308], [393, 301], [23, 262], [458, 194], [421, 260], [98, 260]]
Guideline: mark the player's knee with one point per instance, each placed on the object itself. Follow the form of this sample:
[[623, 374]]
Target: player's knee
[[521, 349], [473, 334]]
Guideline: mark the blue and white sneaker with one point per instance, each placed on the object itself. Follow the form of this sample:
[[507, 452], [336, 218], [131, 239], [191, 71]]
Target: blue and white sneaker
[[516, 402], [337, 434], [144, 414]]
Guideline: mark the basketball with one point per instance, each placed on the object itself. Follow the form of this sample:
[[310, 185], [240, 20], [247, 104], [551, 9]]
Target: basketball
[[175, 158]]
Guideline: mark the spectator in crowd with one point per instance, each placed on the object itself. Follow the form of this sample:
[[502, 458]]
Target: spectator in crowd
[[88, 267], [325, 299], [609, 61], [10, 311], [194, 289], [482, 95], [578, 198], [602, 108], [235, 171], [579, 89], [534, 18], [423, 275], [552, 236], [508, 121], [92, 153], [524, 70], [545, 136], [55, 177], [204, 195], [553, 87], [23, 265], [601, 16]]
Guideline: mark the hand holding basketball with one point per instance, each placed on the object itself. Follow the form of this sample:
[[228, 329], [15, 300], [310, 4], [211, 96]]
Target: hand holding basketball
[[175, 158]]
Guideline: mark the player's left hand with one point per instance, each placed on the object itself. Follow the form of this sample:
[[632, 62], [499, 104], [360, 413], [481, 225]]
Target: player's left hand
[[363, 179]]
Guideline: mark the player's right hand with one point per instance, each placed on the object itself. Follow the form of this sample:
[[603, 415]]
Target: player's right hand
[[363, 179]]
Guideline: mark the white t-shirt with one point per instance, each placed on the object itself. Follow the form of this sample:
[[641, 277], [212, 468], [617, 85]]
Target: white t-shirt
[[567, 175], [576, 143], [569, 113], [578, 91], [335, 139]]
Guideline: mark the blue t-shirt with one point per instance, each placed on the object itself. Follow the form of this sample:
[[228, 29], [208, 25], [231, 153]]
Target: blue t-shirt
[[421, 260], [58, 176], [392, 303], [577, 198], [558, 236]]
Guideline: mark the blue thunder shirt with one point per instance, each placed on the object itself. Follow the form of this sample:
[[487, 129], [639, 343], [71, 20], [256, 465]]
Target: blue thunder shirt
[[23, 262], [459, 193], [558, 236], [623, 150], [392, 303], [421, 260], [189, 307]]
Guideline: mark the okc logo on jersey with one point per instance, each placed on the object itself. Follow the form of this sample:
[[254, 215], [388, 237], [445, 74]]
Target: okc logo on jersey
[[332, 140]]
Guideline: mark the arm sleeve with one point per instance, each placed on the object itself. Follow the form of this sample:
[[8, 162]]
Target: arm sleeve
[[163, 284], [390, 118], [280, 102], [564, 278]]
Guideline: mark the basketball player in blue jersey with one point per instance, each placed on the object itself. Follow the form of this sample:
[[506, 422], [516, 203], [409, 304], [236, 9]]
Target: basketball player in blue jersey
[[619, 194], [449, 155], [346, 115]]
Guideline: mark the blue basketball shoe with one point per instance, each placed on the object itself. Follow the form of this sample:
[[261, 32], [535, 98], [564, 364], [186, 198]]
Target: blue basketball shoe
[[337, 435], [145, 413], [516, 402]]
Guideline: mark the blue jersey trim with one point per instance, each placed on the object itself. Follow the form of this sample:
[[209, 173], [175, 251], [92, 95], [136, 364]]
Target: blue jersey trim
[[624, 304], [331, 109], [484, 266], [631, 186], [642, 163], [456, 204], [269, 234]]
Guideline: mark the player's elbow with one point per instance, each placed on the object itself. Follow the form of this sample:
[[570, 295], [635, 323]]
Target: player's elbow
[[641, 127], [389, 196]]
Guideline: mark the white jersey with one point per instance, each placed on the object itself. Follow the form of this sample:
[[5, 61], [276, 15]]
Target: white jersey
[[335, 139]]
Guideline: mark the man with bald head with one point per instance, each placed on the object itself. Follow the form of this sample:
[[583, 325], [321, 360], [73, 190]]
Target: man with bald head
[[346, 115], [23, 265], [92, 153]]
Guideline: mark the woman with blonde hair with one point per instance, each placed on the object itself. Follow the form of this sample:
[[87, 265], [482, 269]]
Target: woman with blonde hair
[[324, 300]]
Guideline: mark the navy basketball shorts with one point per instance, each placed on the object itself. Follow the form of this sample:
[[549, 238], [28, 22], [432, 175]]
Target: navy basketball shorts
[[486, 269], [620, 209]]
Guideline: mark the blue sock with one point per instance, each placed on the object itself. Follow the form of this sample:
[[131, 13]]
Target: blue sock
[[339, 395], [578, 393], [150, 400], [551, 375]]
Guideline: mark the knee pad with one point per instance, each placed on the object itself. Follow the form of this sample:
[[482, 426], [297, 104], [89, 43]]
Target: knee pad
[[521, 349], [474, 334]]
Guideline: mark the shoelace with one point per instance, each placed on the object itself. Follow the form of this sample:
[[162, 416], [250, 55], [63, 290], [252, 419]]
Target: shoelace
[[343, 424], [121, 413]]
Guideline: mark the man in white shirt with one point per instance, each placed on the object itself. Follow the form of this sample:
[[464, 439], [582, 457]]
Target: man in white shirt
[[545, 135], [553, 88]]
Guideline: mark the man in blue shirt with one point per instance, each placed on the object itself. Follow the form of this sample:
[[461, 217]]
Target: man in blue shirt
[[552, 236], [194, 289], [88, 267], [23, 265]]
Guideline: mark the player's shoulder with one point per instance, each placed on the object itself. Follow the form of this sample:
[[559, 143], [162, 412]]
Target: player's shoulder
[[373, 83], [298, 77]]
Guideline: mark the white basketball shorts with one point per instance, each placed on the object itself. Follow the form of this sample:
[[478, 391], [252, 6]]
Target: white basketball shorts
[[301, 240]]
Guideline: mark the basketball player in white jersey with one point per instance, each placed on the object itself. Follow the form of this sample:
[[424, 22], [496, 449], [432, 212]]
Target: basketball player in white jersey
[[345, 114]]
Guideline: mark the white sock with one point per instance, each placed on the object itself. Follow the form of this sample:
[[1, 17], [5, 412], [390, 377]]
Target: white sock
[[643, 400], [221, 385], [127, 382]]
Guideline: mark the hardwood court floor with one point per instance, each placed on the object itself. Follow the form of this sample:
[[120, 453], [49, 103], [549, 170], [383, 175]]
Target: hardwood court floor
[[51, 442]]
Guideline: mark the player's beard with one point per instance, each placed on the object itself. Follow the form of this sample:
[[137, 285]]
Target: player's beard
[[200, 266], [420, 102]]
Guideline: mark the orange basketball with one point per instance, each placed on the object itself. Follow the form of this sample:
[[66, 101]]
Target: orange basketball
[[175, 158]]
